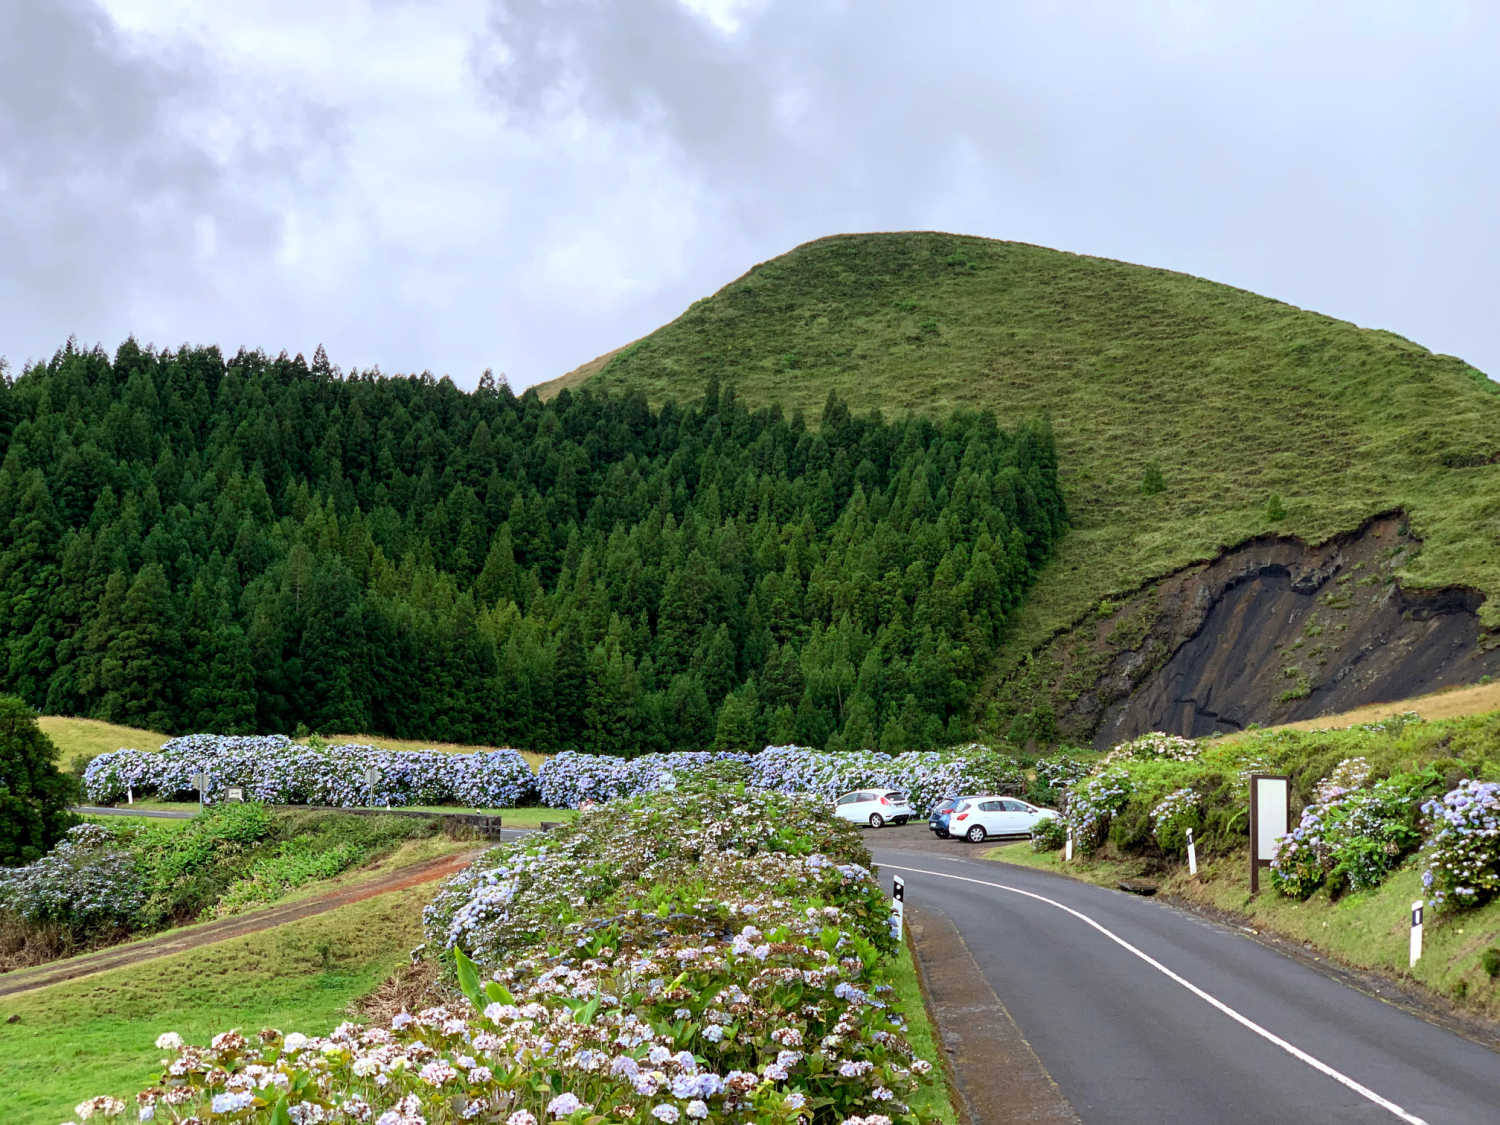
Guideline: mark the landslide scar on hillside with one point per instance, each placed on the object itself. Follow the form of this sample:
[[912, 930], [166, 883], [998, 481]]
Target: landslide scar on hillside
[[1271, 631]]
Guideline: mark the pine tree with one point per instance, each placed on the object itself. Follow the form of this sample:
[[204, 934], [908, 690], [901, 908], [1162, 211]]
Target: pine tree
[[136, 670]]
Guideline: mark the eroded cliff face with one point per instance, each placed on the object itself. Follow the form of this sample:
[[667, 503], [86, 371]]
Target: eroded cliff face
[[1271, 631]]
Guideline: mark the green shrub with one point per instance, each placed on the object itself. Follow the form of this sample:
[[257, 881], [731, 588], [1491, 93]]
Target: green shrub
[[1352, 835], [1173, 815], [1152, 481], [1490, 960], [1049, 835]]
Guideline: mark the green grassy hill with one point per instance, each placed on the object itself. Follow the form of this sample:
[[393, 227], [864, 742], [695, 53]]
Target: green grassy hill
[[1236, 398]]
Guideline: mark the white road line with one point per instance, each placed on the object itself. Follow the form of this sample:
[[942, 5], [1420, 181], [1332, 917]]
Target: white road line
[[1245, 1021]]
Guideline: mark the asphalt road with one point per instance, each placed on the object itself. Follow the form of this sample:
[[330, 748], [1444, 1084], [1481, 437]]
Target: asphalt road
[[1144, 1013]]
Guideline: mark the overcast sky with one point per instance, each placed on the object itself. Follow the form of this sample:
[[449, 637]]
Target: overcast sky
[[523, 184]]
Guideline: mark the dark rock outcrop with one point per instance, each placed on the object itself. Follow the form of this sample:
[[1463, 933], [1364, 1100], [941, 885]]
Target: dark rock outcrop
[[1271, 631]]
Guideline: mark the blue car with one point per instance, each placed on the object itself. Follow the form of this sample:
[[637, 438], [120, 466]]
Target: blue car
[[942, 810]]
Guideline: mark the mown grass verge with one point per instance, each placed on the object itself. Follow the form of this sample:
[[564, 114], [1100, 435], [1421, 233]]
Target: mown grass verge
[[933, 1095], [94, 1035]]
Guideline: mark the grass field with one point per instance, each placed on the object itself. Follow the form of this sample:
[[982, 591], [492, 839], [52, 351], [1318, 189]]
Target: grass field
[[1236, 398], [95, 1035], [82, 739], [79, 740]]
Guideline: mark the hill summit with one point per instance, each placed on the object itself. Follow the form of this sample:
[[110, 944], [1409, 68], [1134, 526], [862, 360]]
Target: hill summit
[[1191, 418]]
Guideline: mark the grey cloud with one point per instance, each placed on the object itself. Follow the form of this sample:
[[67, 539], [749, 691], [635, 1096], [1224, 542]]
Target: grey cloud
[[133, 184], [1326, 156], [323, 173]]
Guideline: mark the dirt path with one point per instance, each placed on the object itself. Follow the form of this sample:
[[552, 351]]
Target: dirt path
[[25, 980]]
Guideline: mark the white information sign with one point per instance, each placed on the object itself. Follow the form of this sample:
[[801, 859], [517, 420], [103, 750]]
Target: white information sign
[[898, 907], [1270, 815]]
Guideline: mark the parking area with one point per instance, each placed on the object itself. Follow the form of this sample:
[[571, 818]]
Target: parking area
[[917, 837]]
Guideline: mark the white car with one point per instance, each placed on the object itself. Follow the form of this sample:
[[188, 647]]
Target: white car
[[875, 807], [981, 817]]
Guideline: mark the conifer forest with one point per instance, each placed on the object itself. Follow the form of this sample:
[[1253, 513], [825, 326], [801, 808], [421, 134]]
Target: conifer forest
[[254, 543]]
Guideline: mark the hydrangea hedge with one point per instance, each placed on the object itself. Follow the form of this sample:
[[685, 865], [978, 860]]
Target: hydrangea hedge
[[1462, 853], [274, 769], [718, 954], [1362, 812], [569, 779], [1353, 833]]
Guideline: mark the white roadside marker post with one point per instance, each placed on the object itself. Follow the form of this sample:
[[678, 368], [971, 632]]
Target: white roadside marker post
[[1068, 848], [130, 794], [1192, 855], [1416, 932], [898, 907]]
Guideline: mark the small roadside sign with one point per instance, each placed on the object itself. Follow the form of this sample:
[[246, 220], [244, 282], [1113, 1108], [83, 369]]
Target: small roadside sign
[[234, 793], [1416, 933], [898, 907]]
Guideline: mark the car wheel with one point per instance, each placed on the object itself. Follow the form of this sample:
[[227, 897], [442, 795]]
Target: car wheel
[[876, 820], [939, 834], [976, 834]]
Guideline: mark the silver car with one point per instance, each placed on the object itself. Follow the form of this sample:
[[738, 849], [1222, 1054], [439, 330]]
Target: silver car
[[875, 807]]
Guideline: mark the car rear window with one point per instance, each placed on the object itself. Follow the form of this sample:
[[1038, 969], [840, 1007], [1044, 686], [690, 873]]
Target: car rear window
[[895, 794]]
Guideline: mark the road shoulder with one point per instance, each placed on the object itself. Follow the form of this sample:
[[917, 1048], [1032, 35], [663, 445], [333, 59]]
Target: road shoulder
[[997, 1075]]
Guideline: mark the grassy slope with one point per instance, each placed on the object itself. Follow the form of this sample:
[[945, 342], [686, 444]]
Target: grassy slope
[[95, 1036], [1454, 703], [83, 739], [1235, 396]]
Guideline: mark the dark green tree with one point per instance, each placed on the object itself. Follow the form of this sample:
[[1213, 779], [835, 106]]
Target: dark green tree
[[34, 793]]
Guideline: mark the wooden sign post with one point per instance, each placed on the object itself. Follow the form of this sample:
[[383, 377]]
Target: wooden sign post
[[1268, 820]]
